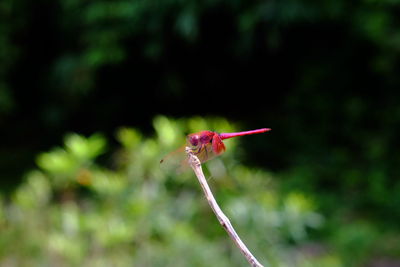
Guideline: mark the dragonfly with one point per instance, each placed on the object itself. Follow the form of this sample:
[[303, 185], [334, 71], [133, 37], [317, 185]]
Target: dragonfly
[[205, 145]]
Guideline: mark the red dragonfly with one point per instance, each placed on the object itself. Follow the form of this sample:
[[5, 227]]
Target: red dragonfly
[[206, 145]]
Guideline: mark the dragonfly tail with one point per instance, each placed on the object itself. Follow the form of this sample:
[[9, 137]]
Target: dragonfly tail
[[230, 135]]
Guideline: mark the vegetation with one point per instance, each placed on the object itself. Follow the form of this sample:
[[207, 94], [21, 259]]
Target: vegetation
[[73, 211]]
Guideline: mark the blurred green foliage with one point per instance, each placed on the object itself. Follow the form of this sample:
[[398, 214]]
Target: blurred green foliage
[[73, 211]]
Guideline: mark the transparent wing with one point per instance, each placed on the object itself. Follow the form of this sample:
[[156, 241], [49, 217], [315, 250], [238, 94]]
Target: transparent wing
[[176, 161]]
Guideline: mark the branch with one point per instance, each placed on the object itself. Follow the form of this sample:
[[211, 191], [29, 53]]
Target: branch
[[194, 162]]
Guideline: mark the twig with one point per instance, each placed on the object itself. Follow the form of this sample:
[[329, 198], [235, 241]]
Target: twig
[[194, 162]]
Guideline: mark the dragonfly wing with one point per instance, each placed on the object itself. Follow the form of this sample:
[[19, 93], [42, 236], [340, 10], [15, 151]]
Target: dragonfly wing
[[175, 161]]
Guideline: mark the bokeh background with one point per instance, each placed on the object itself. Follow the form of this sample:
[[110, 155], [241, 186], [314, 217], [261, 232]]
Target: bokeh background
[[94, 93]]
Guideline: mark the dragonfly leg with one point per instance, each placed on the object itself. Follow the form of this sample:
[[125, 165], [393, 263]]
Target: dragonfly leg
[[200, 148], [203, 146], [196, 152]]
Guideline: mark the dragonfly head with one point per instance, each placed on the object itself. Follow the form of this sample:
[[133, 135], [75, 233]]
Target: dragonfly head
[[193, 140]]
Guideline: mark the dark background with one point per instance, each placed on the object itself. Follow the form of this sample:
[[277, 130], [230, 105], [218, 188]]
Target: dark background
[[323, 75]]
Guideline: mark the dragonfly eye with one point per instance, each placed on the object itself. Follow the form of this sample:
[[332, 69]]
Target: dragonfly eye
[[194, 140]]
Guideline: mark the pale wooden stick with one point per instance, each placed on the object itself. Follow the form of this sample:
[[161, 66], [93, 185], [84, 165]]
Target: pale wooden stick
[[194, 162]]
